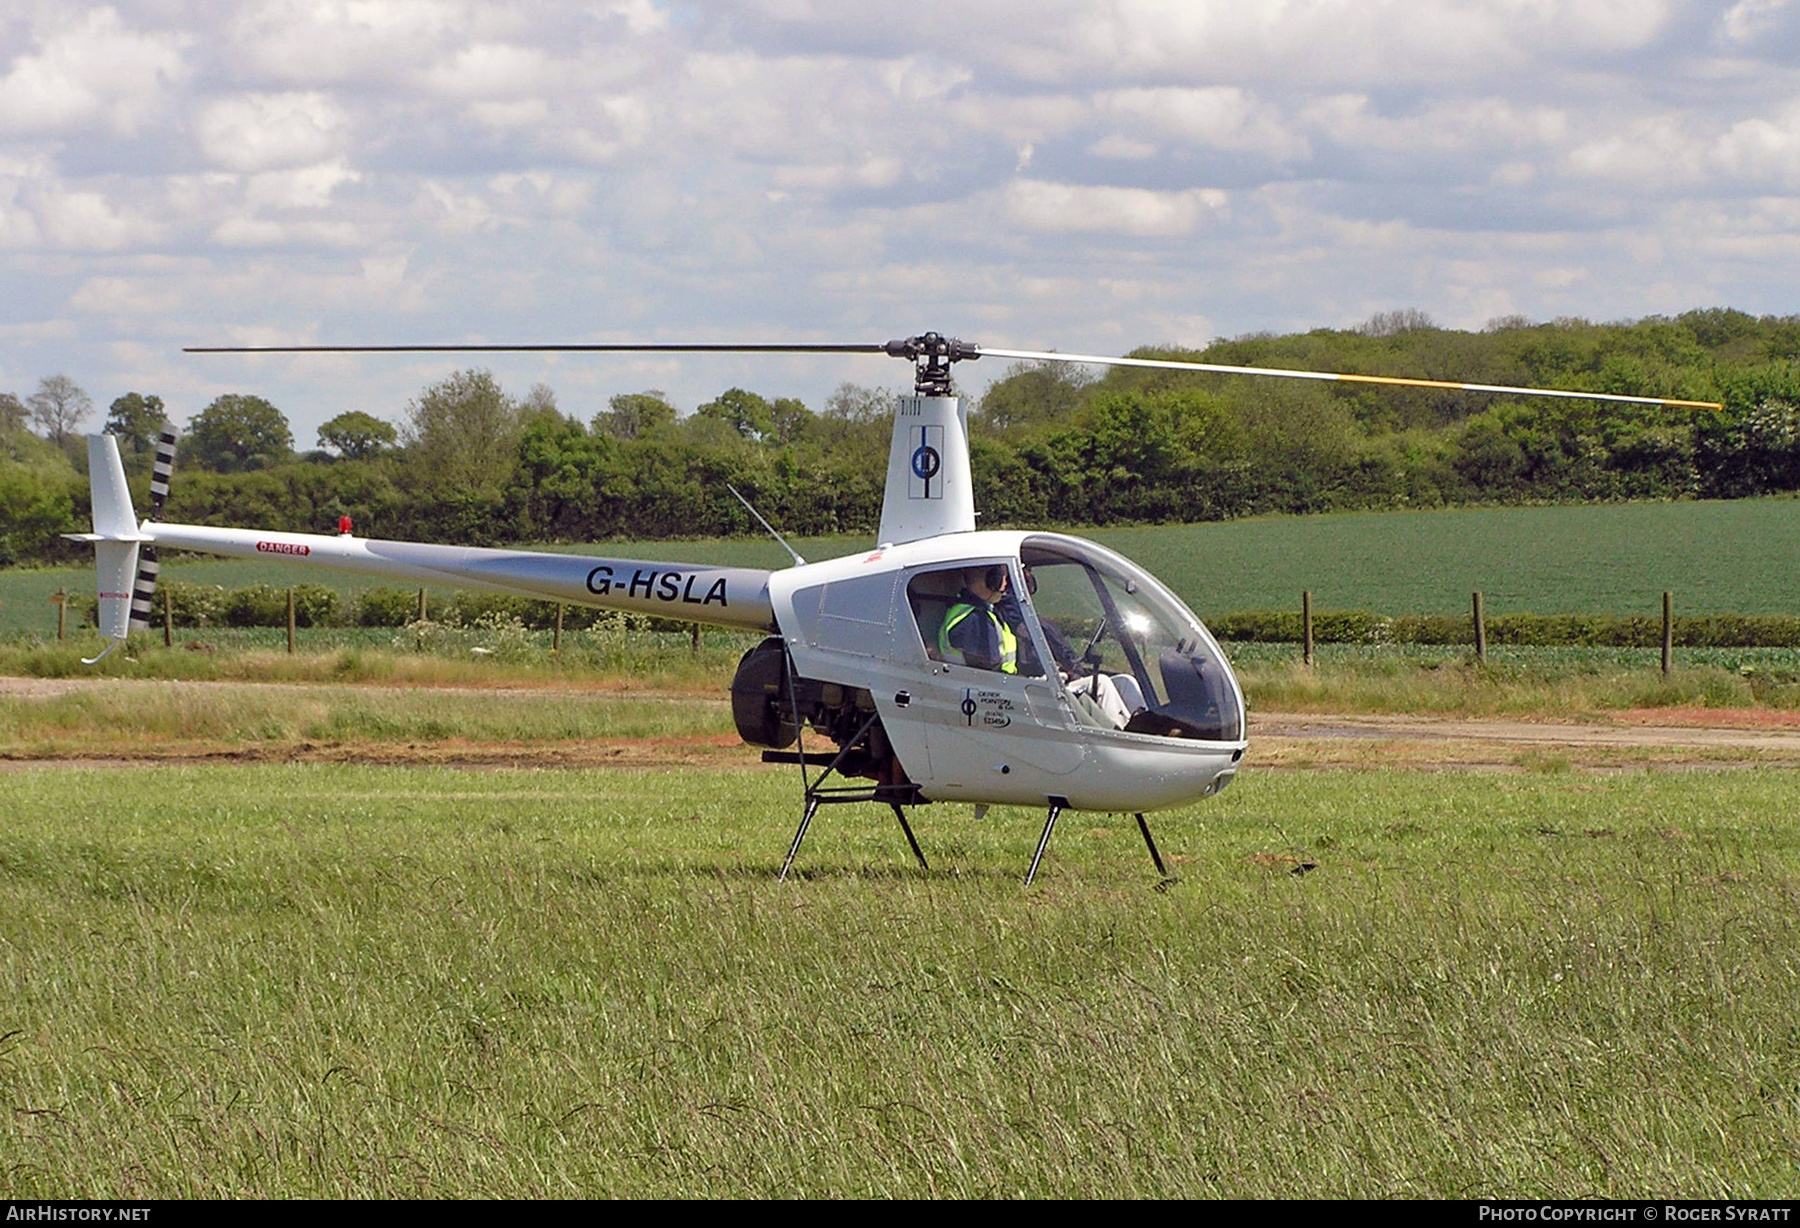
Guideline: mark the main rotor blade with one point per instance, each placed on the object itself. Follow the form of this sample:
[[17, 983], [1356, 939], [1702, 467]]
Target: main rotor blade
[[781, 348], [1169, 365]]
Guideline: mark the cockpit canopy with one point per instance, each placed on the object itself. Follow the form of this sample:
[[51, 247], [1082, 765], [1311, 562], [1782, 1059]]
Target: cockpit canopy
[[1130, 654]]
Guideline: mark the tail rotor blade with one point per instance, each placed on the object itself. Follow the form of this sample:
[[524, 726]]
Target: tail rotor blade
[[143, 591], [161, 471]]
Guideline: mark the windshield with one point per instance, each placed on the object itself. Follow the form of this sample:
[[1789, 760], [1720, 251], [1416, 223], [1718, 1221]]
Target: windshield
[[1134, 656]]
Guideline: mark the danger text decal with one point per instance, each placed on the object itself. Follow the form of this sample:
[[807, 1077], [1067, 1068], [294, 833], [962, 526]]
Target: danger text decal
[[281, 548]]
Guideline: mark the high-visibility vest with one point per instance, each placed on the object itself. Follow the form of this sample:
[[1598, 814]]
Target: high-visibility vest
[[1009, 643]]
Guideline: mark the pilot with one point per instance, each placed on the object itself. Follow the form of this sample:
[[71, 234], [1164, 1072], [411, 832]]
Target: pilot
[[974, 632]]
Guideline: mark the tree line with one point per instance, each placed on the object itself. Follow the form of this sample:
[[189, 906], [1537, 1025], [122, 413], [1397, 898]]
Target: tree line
[[468, 462]]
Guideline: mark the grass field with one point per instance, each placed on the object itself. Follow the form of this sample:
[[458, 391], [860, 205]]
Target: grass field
[[357, 981], [1740, 557]]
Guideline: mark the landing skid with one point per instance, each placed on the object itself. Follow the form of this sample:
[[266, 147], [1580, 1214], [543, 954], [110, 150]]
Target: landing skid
[[1060, 804], [897, 797]]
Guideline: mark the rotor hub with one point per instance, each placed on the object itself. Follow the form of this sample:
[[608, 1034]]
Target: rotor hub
[[932, 354]]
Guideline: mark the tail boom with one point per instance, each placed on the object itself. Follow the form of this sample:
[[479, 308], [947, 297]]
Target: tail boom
[[718, 596]]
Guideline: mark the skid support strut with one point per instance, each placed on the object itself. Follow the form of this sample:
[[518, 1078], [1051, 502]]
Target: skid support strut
[[818, 794], [1057, 806], [1151, 845], [812, 806], [907, 828]]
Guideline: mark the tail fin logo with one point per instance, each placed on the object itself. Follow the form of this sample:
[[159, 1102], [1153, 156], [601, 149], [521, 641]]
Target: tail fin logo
[[927, 462]]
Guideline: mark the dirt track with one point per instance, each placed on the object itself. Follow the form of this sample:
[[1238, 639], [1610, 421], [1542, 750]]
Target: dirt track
[[1617, 740]]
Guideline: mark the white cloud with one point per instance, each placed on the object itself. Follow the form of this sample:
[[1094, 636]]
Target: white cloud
[[1748, 19], [1333, 43], [325, 42], [515, 115], [1470, 125], [641, 16], [455, 213], [1653, 153], [88, 221], [92, 73], [259, 232], [142, 298], [305, 187], [1128, 148], [1026, 119], [1213, 117], [494, 70], [871, 171], [260, 132], [1063, 207], [1761, 150]]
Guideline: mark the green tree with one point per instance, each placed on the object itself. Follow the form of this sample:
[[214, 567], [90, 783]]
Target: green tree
[[12, 414], [39, 500], [540, 402], [1030, 394], [565, 487], [462, 434], [790, 421], [239, 432], [634, 415], [355, 435], [136, 420], [860, 404], [744, 412]]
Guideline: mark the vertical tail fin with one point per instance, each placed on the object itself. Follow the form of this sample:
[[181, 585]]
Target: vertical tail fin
[[115, 537], [929, 490], [111, 498]]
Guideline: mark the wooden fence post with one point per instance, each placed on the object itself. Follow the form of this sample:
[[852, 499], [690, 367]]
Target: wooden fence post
[[1480, 631], [1668, 640], [694, 642], [168, 619], [556, 636], [1306, 638], [60, 599], [421, 605], [290, 622]]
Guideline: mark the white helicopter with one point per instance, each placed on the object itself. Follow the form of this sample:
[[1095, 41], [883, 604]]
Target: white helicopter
[[945, 664]]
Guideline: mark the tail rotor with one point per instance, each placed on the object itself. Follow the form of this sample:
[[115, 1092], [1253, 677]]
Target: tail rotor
[[143, 591]]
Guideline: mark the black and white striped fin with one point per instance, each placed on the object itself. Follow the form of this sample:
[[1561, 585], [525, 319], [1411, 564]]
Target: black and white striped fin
[[160, 471], [143, 591]]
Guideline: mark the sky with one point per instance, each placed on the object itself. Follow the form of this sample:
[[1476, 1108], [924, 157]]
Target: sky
[[1078, 175]]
